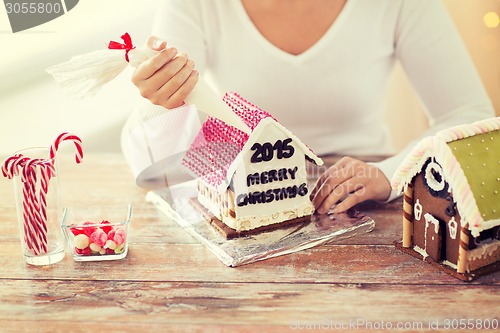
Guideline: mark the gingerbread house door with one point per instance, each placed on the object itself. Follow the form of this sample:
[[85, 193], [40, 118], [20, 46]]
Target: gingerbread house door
[[433, 237]]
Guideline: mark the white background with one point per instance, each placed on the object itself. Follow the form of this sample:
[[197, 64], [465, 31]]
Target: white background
[[33, 110]]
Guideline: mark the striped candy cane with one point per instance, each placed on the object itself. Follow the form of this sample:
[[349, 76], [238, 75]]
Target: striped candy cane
[[37, 240], [11, 166], [37, 200], [47, 171], [67, 137], [15, 166]]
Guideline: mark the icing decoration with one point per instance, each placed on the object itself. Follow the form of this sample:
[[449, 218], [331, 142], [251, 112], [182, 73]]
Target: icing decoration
[[485, 250], [270, 176], [429, 219], [452, 227], [418, 210], [469, 157], [266, 151], [421, 251], [433, 179], [486, 236], [271, 195]]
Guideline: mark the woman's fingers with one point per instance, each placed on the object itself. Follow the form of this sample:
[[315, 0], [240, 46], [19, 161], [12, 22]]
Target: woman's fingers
[[166, 78], [339, 194], [327, 185], [348, 183], [181, 83], [351, 200], [165, 75], [151, 66], [156, 43], [183, 91]]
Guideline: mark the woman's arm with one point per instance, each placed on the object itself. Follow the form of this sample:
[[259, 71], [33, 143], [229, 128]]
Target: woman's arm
[[161, 129]]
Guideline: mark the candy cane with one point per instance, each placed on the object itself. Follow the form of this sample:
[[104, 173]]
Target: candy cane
[[31, 213], [68, 137], [18, 165], [40, 222], [11, 166], [47, 170]]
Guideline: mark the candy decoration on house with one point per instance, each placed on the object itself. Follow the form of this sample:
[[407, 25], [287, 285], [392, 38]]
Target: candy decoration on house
[[84, 75], [36, 174], [250, 183], [451, 185]]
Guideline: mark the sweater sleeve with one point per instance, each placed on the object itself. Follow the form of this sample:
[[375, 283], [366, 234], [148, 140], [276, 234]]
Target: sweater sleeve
[[180, 23], [155, 139], [438, 65], [154, 142]]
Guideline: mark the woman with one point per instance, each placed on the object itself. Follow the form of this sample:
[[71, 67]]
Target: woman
[[320, 67]]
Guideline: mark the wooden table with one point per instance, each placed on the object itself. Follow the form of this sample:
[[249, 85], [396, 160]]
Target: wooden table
[[169, 282]]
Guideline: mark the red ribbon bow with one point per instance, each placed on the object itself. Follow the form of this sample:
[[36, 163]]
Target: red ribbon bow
[[127, 45]]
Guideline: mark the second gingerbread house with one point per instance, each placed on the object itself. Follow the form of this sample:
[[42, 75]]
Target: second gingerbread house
[[451, 185]]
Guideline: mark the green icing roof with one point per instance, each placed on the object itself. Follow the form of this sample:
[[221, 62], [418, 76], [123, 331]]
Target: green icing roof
[[479, 157]]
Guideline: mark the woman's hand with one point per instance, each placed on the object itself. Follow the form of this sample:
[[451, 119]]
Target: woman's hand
[[166, 78], [348, 182]]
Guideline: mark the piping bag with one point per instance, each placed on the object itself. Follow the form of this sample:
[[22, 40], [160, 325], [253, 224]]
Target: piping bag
[[84, 75]]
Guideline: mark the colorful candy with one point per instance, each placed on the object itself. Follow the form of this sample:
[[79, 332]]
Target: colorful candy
[[81, 241], [98, 239]]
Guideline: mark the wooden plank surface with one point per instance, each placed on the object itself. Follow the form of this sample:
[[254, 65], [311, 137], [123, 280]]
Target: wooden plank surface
[[247, 304], [169, 282]]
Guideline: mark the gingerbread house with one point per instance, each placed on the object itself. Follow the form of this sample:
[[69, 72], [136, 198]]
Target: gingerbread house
[[250, 182], [451, 207]]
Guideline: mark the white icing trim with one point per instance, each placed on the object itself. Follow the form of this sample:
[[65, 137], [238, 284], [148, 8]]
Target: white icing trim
[[468, 130], [412, 165], [450, 264], [420, 251], [431, 180], [248, 223], [485, 250], [438, 148], [431, 219], [417, 210], [452, 227], [253, 222]]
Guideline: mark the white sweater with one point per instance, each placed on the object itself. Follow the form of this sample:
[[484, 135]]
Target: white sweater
[[331, 96]]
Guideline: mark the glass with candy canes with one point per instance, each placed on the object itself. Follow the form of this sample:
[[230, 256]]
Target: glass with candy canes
[[36, 187]]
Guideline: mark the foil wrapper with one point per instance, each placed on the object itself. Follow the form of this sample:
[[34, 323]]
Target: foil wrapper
[[319, 230]]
